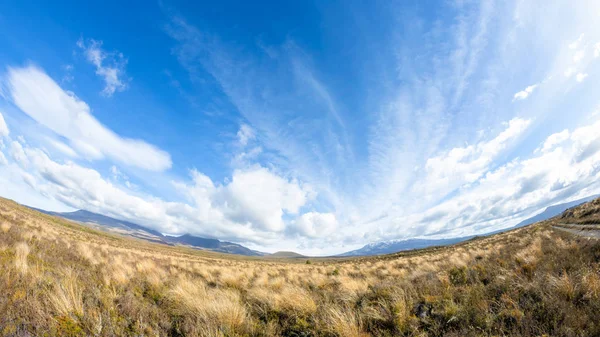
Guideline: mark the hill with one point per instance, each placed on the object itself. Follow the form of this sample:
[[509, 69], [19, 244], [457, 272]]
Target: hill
[[103, 222], [555, 210], [588, 213], [285, 254]]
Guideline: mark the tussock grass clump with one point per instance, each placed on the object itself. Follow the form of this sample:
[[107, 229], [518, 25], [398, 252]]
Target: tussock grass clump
[[5, 226], [212, 307], [63, 279], [21, 253], [67, 296]]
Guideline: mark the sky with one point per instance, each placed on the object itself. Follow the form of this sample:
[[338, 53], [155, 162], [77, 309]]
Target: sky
[[311, 126]]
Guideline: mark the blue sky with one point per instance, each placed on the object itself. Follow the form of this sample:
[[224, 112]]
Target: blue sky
[[309, 126]]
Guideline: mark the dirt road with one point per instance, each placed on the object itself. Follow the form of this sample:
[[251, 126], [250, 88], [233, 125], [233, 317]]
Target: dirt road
[[589, 233]]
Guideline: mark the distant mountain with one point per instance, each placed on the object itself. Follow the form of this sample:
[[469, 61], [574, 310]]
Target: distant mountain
[[212, 244], [284, 254], [106, 223], [89, 217], [555, 210], [394, 246]]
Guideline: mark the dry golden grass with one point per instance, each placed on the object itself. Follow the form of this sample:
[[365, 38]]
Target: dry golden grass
[[21, 253], [5, 227], [220, 308], [67, 296], [63, 279]]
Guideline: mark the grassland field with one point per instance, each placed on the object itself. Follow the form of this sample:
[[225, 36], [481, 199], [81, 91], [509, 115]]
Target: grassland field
[[59, 278]]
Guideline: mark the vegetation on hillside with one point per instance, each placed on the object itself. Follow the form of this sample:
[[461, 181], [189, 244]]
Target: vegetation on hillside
[[62, 279], [588, 213]]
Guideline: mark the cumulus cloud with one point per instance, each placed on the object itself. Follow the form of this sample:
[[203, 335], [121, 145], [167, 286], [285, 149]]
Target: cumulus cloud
[[314, 224], [523, 94], [261, 197], [580, 77], [555, 139], [36, 94], [109, 66], [255, 196], [251, 206]]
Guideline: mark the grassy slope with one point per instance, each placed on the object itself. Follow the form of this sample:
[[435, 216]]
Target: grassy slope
[[60, 278], [588, 213]]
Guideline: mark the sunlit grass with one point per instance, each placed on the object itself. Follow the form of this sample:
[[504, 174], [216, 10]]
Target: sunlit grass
[[60, 278]]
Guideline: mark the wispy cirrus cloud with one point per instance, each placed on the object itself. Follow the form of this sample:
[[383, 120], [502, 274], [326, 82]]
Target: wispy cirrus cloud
[[109, 65], [523, 94], [412, 161], [40, 97], [296, 117], [410, 127], [4, 131]]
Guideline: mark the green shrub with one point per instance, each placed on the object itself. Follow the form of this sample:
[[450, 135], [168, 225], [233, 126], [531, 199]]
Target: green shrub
[[458, 275]]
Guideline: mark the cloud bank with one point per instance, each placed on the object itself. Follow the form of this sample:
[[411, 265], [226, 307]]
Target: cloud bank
[[40, 97]]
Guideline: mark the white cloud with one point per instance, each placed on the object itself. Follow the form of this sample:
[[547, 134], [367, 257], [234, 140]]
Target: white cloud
[[4, 132], [109, 66], [555, 139], [245, 134], [578, 56], [575, 44], [87, 150], [250, 208], [581, 76], [568, 169], [401, 155], [3, 160], [570, 71], [115, 171], [267, 92], [255, 196], [260, 197], [439, 101], [314, 224], [246, 158], [597, 50], [18, 154], [523, 94], [118, 175], [68, 73], [62, 147], [36, 94], [463, 165]]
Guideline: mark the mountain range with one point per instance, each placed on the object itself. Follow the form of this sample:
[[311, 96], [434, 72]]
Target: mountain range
[[393, 246], [106, 223]]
